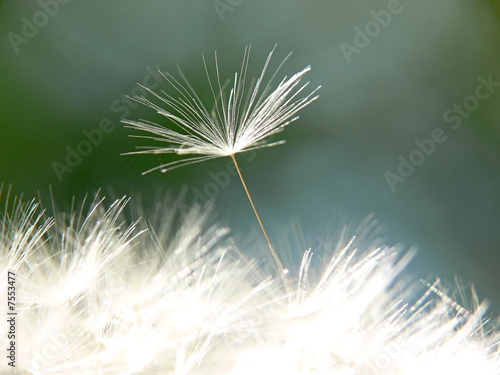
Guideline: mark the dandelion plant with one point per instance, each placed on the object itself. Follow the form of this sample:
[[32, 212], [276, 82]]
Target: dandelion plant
[[103, 292]]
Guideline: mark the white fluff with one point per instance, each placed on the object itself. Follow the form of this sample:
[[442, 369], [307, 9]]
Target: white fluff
[[99, 296], [239, 121]]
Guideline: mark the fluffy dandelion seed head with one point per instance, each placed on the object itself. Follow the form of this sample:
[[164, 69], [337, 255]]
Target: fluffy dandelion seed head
[[243, 116], [169, 295]]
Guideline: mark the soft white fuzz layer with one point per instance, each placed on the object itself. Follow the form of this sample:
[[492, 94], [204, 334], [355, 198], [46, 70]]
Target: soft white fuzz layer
[[175, 296]]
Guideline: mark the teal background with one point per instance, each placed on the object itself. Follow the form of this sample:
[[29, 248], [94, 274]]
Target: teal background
[[89, 54]]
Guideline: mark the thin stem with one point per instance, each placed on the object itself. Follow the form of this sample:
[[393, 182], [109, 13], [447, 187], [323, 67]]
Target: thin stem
[[273, 253]]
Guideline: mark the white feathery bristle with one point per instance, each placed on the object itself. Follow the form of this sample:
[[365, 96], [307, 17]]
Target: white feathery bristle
[[240, 120], [175, 296]]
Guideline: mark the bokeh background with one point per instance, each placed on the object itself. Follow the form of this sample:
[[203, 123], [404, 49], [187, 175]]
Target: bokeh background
[[73, 71]]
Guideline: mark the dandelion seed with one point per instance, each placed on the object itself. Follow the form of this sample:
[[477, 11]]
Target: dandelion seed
[[236, 123]]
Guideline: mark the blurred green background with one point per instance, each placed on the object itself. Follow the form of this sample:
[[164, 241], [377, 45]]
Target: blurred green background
[[67, 67]]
